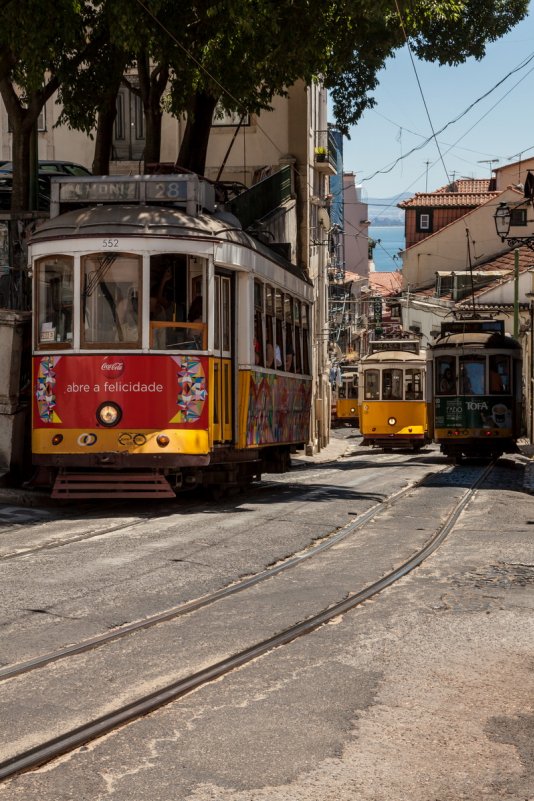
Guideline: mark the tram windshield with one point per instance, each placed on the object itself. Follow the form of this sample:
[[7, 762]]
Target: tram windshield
[[392, 384], [499, 375], [110, 298], [445, 375], [371, 385], [472, 375], [413, 384], [55, 294]]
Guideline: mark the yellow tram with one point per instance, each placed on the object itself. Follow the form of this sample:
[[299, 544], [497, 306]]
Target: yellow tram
[[345, 396], [393, 407]]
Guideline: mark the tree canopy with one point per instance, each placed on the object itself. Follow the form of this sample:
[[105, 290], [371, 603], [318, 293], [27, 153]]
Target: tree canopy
[[239, 53]]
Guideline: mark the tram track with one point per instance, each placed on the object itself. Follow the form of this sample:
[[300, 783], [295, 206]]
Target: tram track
[[327, 541], [295, 481], [145, 704]]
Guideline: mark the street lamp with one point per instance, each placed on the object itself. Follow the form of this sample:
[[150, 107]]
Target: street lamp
[[503, 220]]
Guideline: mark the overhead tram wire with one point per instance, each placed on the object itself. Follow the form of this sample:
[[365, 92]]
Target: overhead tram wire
[[434, 136], [520, 66]]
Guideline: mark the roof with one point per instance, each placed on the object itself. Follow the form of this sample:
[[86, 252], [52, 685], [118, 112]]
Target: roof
[[385, 283], [462, 194], [154, 221], [500, 270], [394, 356], [481, 339], [468, 185]]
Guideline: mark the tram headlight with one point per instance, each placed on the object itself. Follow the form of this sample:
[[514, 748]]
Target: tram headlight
[[57, 438], [108, 414], [352, 409], [392, 421], [162, 440]]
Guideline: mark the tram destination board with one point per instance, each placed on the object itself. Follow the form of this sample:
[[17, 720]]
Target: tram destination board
[[165, 189]]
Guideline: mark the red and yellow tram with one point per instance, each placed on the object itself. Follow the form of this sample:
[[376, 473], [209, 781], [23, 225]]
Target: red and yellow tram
[[171, 349]]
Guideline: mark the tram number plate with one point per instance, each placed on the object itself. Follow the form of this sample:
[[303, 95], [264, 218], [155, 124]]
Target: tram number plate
[[110, 243]]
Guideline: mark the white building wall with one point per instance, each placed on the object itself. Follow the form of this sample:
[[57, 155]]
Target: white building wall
[[356, 228], [447, 249]]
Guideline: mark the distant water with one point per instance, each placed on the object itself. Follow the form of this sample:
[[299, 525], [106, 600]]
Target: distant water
[[391, 241]]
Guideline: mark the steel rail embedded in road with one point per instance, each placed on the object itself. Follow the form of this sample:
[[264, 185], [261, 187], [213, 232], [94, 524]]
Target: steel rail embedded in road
[[328, 541], [62, 744]]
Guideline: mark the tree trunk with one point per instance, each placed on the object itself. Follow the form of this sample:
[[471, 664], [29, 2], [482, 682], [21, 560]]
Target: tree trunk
[[104, 136], [106, 119], [20, 156], [152, 84], [194, 145]]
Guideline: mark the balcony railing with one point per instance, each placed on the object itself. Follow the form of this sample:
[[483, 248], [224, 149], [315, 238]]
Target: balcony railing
[[262, 198], [325, 152]]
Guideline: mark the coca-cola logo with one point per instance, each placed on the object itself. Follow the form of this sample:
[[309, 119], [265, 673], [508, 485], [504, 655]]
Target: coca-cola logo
[[113, 367]]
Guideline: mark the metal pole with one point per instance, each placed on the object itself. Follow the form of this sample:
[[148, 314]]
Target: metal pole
[[516, 293], [532, 372]]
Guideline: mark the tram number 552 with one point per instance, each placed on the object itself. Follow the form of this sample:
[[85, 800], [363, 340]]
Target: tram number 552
[[110, 243]]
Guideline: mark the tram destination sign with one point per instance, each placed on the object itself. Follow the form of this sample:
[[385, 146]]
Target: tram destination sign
[[186, 190]]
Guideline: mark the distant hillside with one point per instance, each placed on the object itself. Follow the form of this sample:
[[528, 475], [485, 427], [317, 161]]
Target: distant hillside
[[384, 211]]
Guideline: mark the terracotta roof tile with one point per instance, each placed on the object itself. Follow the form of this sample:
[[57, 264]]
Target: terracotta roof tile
[[468, 185], [447, 200], [385, 283]]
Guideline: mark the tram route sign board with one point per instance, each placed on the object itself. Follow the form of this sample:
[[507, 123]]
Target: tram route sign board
[[183, 190]]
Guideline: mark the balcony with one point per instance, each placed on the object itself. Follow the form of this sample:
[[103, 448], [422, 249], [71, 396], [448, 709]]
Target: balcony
[[325, 153]]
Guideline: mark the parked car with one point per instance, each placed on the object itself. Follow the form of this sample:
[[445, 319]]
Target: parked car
[[53, 167], [43, 191]]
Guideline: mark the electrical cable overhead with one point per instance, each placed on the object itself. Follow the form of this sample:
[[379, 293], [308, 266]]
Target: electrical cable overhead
[[520, 66]]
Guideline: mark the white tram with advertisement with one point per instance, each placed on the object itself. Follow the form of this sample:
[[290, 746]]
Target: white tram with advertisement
[[171, 349]]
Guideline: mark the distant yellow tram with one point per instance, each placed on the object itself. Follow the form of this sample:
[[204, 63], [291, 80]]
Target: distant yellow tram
[[345, 397], [393, 407]]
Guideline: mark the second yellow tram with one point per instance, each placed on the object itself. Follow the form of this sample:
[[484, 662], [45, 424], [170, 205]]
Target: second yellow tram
[[392, 397]]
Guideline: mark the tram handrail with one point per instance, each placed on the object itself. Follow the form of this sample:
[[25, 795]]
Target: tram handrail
[[156, 325]]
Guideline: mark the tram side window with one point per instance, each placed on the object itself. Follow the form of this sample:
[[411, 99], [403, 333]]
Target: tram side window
[[472, 376], [279, 340], [289, 352], [55, 295], [305, 339], [392, 384], [110, 299], [499, 375], [413, 384], [298, 335], [259, 357], [270, 346], [445, 375], [371, 385]]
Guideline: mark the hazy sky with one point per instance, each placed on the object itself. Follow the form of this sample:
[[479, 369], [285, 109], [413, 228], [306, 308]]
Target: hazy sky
[[498, 127]]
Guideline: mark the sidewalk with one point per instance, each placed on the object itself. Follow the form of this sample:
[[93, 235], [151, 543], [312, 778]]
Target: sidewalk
[[527, 451]]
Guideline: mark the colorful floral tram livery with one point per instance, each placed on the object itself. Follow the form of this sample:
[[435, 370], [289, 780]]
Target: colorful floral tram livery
[[171, 349]]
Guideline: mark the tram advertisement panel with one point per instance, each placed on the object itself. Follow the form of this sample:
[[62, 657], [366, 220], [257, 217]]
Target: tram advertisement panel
[[151, 391], [482, 411]]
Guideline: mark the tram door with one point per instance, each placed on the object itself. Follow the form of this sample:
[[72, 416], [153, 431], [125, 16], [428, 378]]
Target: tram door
[[222, 362]]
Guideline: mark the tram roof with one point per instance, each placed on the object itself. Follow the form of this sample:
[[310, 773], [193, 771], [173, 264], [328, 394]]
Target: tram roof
[[476, 339], [155, 221], [394, 356]]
